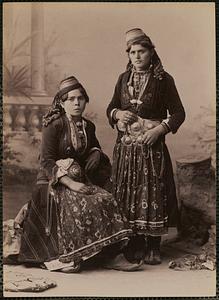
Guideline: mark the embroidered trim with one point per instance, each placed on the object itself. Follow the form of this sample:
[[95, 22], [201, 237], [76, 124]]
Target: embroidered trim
[[75, 139]]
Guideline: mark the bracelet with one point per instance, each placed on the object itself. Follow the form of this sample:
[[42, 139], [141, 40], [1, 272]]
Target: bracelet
[[114, 115], [165, 126]]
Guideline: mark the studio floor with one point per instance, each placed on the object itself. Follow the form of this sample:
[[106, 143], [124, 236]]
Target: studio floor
[[151, 281]]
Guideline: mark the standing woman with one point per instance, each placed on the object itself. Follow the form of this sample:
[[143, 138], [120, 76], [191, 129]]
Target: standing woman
[[70, 218], [145, 107]]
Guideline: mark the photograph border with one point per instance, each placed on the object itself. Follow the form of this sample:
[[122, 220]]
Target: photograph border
[[217, 149]]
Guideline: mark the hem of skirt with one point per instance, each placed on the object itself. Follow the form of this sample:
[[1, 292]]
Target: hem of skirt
[[149, 233], [148, 230], [96, 247]]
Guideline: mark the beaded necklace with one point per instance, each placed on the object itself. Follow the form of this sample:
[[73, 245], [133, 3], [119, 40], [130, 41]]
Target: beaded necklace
[[137, 84]]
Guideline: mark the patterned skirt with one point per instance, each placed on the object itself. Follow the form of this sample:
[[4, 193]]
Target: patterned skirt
[[80, 225], [139, 186], [88, 223]]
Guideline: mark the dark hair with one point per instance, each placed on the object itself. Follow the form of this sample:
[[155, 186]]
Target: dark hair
[[56, 111], [143, 43], [64, 97], [156, 65], [155, 60]]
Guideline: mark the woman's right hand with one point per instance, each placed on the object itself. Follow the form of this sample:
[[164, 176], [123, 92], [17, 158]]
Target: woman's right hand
[[126, 116]]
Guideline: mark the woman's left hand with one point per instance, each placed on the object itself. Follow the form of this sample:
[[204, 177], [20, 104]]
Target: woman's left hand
[[86, 189], [150, 137], [93, 161]]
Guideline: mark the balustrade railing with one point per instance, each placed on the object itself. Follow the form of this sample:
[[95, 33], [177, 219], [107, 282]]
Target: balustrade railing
[[23, 117]]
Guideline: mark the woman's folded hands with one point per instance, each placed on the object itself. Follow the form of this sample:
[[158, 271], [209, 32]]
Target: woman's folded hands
[[80, 187], [75, 185], [126, 116], [151, 136]]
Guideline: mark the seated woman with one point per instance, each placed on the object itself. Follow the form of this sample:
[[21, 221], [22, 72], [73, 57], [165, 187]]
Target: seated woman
[[70, 218]]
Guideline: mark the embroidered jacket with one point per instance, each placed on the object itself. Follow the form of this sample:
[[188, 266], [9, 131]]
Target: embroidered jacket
[[159, 98], [57, 144]]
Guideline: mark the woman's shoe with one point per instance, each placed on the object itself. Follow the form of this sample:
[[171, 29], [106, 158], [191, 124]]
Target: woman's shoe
[[72, 269], [57, 265], [120, 263], [153, 257]]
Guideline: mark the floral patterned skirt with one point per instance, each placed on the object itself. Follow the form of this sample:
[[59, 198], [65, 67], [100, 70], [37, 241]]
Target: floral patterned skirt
[[139, 186], [87, 223], [80, 225]]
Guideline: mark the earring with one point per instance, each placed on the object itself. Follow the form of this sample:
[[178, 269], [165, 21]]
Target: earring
[[151, 62]]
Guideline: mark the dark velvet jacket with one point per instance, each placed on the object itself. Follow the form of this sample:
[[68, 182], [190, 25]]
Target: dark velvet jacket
[[159, 97], [37, 245], [56, 144]]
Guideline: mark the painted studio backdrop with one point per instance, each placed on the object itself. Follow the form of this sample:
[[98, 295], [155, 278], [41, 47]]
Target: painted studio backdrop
[[45, 42]]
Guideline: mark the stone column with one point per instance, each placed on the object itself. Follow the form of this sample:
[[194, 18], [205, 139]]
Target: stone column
[[37, 50], [7, 23]]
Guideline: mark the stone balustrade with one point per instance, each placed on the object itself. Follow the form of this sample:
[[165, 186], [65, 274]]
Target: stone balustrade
[[21, 115]]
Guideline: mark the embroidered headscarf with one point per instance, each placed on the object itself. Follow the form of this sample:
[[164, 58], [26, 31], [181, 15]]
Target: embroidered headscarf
[[66, 85]]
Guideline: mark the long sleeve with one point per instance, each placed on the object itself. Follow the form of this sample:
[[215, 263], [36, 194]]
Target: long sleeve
[[115, 103], [174, 106], [101, 174], [49, 149], [94, 141]]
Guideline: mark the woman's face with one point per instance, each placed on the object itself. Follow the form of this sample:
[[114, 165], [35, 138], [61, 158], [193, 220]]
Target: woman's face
[[75, 103], [140, 57]]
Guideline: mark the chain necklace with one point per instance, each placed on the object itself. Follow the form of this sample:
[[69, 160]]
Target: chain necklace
[[136, 86]]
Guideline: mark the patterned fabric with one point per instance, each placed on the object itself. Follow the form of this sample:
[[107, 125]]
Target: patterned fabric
[[57, 144], [80, 227], [87, 223], [159, 99], [141, 195], [78, 135], [71, 226], [65, 224], [139, 79], [136, 85]]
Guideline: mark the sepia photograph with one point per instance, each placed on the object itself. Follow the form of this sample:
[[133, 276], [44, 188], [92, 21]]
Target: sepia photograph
[[109, 149]]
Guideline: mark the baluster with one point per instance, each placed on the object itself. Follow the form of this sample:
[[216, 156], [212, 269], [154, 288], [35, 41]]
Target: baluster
[[34, 120], [7, 124], [41, 114], [20, 120]]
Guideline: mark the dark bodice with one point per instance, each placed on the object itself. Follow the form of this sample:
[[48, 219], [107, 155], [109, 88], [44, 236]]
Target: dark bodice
[[160, 97], [56, 144]]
